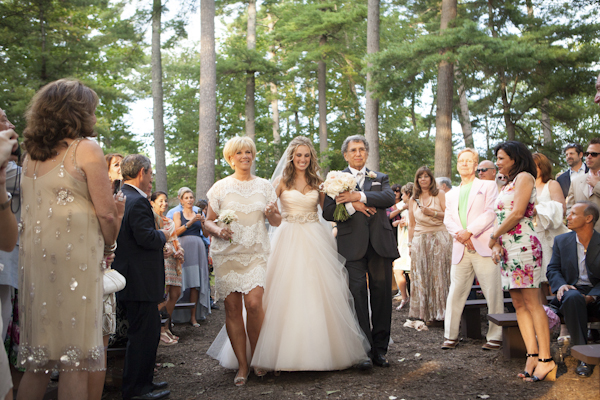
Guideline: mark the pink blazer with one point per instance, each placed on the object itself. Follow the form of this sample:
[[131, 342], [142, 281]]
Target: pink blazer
[[480, 217]]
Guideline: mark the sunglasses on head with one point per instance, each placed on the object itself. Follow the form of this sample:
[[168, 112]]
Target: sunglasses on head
[[591, 153], [480, 170]]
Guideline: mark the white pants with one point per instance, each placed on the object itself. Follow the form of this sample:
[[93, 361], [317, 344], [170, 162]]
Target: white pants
[[461, 281]]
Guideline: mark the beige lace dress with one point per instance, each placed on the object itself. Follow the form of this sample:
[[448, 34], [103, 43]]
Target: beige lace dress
[[241, 265], [60, 277]]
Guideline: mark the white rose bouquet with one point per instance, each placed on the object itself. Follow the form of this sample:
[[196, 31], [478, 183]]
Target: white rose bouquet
[[338, 182], [227, 217]]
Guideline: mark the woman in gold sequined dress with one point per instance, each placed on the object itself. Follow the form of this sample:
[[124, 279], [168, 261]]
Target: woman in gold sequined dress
[[68, 216]]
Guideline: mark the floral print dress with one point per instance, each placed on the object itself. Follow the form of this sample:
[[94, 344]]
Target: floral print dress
[[522, 251]]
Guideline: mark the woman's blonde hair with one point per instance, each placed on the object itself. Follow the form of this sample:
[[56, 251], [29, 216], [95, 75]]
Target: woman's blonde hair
[[236, 144], [63, 109], [312, 171]]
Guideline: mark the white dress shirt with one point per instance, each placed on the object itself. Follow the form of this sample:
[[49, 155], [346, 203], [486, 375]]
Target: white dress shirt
[[584, 279], [139, 190]]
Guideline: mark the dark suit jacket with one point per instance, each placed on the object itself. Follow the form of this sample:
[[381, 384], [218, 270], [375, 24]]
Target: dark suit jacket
[[139, 254], [355, 234], [563, 268], [565, 180]]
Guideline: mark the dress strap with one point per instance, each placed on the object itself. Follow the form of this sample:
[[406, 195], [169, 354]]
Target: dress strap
[[73, 144]]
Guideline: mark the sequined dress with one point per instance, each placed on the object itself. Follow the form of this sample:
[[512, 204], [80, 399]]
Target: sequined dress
[[60, 277]]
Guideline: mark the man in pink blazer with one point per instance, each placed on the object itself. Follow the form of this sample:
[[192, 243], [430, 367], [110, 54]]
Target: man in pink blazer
[[470, 220]]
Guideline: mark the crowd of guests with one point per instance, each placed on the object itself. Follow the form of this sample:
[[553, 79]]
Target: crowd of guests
[[513, 228], [85, 217]]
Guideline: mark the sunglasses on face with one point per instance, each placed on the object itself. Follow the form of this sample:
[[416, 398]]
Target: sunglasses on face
[[480, 170], [397, 191], [591, 153]]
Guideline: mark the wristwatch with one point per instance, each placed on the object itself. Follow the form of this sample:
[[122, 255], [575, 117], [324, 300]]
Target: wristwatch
[[6, 204]]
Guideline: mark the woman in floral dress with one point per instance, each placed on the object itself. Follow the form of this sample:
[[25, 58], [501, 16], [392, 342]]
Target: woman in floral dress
[[515, 245]]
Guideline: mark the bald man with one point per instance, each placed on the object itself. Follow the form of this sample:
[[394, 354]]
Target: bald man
[[486, 170]]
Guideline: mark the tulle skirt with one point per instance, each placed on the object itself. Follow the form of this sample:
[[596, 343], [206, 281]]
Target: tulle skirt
[[310, 323]]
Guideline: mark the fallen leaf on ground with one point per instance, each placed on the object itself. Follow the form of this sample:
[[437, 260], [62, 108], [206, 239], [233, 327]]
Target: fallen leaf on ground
[[331, 392]]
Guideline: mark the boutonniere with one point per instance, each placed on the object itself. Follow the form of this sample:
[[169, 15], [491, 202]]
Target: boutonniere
[[371, 175]]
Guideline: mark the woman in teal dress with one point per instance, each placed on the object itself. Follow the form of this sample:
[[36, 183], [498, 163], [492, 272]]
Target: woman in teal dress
[[515, 245]]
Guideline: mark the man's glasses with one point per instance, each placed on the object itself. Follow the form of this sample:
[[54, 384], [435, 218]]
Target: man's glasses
[[480, 170], [591, 153]]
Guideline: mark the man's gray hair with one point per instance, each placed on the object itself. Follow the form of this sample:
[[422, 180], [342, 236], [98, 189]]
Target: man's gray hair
[[133, 164], [590, 209], [445, 181], [354, 138]]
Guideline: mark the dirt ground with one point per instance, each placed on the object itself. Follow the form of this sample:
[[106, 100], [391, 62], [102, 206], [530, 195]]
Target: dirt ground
[[419, 370]]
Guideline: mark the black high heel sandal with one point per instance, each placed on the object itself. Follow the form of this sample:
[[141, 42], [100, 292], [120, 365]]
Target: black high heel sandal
[[550, 376], [526, 374]]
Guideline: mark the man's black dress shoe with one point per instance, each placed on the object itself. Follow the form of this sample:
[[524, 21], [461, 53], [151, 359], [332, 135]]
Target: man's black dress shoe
[[153, 396], [365, 365], [380, 361], [159, 385], [584, 369]]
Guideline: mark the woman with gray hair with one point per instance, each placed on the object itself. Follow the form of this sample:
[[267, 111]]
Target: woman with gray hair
[[195, 282]]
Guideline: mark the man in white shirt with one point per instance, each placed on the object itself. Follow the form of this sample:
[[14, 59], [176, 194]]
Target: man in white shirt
[[574, 157], [574, 271], [586, 187]]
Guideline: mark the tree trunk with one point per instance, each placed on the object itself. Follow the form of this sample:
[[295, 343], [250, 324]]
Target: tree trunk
[[207, 133], [445, 94], [464, 117], [297, 122], [250, 80], [157, 100], [275, 97], [546, 124], [321, 77], [43, 71], [372, 106]]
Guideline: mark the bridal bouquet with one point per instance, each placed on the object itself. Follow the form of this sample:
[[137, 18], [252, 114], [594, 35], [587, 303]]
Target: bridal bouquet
[[338, 182], [227, 217]]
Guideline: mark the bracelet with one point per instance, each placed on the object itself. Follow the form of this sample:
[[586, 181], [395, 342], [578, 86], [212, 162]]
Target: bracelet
[[409, 244], [109, 249], [492, 236], [334, 226]]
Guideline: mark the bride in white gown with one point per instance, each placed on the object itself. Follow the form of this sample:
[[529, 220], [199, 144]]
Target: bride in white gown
[[310, 323]]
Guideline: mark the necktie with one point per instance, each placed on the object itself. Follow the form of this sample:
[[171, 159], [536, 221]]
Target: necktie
[[360, 179]]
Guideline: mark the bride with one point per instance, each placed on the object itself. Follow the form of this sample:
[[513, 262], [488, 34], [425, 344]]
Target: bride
[[310, 323]]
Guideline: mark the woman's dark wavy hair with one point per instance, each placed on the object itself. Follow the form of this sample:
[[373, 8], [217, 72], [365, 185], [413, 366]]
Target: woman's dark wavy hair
[[63, 109], [433, 189], [158, 193], [521, 155]]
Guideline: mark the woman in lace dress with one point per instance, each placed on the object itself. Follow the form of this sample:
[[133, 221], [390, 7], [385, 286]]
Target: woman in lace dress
[[515, 244], [430, 249], [69, 213], [241, 249], [306, 279]]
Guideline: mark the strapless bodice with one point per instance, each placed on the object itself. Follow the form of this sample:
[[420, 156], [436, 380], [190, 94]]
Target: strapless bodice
[[298, 207]]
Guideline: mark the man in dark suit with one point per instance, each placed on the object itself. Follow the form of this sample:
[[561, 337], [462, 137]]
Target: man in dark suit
[[139, 258], [574, 272], [574, 157], [367, 243]]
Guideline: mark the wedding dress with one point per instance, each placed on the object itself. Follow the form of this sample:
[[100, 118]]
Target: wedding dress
[[310, 323]]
